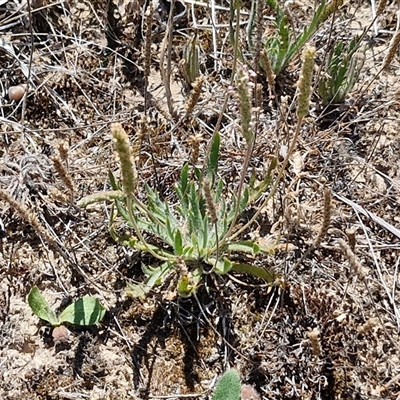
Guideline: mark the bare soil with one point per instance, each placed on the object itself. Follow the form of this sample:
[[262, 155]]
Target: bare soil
[[85, 64]]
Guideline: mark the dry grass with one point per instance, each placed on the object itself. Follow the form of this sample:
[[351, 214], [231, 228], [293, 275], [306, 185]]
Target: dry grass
[[329, 329]]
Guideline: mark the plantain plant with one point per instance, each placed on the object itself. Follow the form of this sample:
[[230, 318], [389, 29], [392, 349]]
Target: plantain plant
[[196, 232], [284, 44], [342, 70], [190, 235]]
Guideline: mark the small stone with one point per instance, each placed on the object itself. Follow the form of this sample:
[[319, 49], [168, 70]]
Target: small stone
[[249, 393], [16, 93], [60, 334]]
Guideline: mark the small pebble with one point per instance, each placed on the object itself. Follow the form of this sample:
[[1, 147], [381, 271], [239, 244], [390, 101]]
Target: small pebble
[[16, 93], [249, 393], [60, 334]]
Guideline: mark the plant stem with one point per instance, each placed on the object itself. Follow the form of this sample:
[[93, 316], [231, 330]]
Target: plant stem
[[234, 66], [275, 185], [166, 74], [227, 235]]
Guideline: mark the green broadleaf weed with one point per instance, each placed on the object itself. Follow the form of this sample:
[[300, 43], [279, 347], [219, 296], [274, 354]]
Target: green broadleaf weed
[[41, 307], [85, 311]]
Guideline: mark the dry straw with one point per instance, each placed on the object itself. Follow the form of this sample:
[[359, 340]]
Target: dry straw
[[63, 150], [351, 237], [128, 169], [147, 49], [194, 143], [327, 217], [209, 200], [381, 7], [368, 325], [64, 175], [195, 94], [141, 135], [266, 65], [394, 45], [324, 227], [355, 264], [28, 217], [314, 337]]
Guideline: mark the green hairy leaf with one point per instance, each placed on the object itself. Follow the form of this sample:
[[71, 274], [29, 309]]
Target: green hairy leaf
[[228, 387], [154, 277], [86, 311], [253, 270], [41, 307], [212, 164], [221, 266]]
